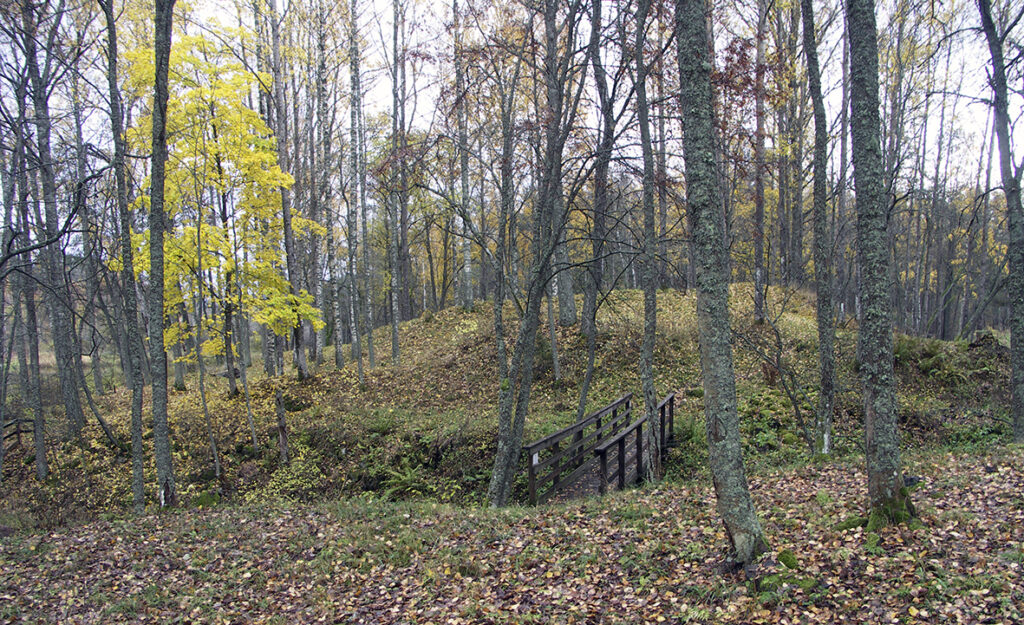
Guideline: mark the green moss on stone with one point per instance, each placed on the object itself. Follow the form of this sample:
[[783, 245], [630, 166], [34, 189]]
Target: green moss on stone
[[788, 559]]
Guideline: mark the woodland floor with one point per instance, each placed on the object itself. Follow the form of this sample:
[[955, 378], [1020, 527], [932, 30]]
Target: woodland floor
[[378, 517], [649, 555]]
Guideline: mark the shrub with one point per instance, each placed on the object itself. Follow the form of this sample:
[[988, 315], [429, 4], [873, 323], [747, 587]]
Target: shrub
[[300, 480]]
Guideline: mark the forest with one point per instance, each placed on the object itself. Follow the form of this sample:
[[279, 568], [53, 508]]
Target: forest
[[324, 270]]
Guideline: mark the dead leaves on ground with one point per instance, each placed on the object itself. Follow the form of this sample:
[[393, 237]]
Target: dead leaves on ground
[[652, 555]]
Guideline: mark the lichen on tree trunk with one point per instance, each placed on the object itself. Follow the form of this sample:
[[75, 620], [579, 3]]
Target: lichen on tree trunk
[[705, 211], [886, 494]]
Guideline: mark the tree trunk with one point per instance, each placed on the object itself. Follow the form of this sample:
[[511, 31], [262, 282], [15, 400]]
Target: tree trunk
[[598, 232], [368, 283], [356, 201], [514, 398], [888, 499], [760, 284], [556, 366], [282, 422], [31, 391], [57, 294], [822, 240], [782, 147], [92, 271], [267, 347], [21, 349], [563, 278], [460, 99], [795, 180], [397, 109], [200, 361], [844, 135], [168, 496], [1011, 189], [281, 130], [652, 459], [723, 432]]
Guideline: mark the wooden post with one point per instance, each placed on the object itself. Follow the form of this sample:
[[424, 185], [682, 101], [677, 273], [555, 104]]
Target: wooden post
[[556, 467], [622, 463], [533, 479], [672, 418], [640, 450], [603, 483], [661, 428], [576, 458]]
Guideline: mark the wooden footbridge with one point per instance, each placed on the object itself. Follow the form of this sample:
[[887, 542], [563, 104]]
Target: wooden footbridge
[[603, 449]]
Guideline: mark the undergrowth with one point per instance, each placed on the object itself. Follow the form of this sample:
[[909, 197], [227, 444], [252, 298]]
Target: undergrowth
[[425, 431]]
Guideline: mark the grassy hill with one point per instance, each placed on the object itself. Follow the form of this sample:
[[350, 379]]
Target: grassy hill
[[425, 430], [377, 517]]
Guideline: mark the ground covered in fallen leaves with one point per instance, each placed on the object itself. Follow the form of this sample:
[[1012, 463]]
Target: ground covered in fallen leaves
[[648, 555]]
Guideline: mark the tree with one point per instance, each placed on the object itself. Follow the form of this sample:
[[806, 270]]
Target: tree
[[822, 240], [58, 299], [888, 499], [131, 305], [559, 76], [705, 211], [163, 24], [395, 198], [460, 100], [1011, 175], [652, 464], [27, 281], [594, 277], [356, 196], [760, 281], [281, 130]]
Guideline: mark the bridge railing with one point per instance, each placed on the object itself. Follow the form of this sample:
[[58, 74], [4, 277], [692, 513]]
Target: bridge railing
[[561, 458], [624, 452], [607, 437], [667, 419]]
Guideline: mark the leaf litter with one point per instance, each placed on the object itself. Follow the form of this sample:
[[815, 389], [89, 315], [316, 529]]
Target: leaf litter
[[650, 555]]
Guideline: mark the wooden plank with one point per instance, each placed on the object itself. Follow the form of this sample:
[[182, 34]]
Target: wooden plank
[[533, 482], [567, 480], [631, 471], [672, 419], [622, 463]]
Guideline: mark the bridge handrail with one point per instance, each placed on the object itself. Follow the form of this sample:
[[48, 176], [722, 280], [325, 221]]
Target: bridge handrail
[[578, 444], [611, 425], [666, 417], [565, 432]]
